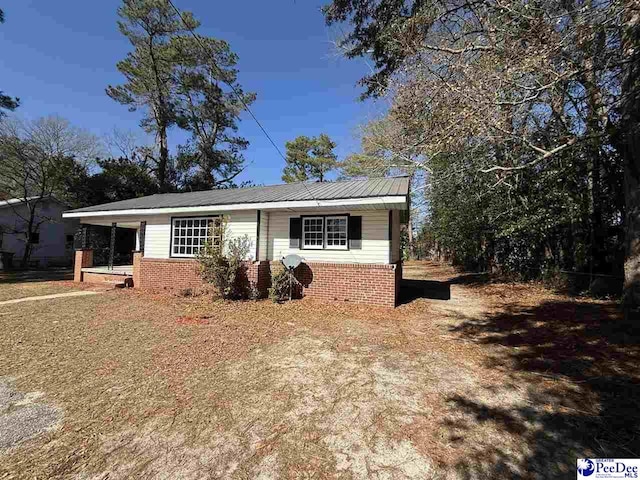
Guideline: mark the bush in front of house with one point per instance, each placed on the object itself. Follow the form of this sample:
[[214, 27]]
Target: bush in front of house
[[224, 267], [279, 290], [283, 282]]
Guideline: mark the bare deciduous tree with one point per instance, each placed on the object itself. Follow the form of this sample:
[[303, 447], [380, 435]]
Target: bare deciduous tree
[[31, 156], [531, 80]]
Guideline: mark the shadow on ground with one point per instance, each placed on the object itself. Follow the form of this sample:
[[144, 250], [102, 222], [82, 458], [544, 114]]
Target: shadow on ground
[[412, 289], [580, 365], [25, 276]]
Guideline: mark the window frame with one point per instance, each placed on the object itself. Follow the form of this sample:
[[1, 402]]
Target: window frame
[[326, 233], [303, 244], [172, 234]]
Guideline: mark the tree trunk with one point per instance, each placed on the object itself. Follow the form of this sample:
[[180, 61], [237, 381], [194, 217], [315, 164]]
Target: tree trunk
[[630, 124], [164, 159], [598, 229], [597, 119], [412, 250], [29, 234], [27, 253]]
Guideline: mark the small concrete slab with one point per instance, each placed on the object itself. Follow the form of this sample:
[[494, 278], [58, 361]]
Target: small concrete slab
[[48, 297]]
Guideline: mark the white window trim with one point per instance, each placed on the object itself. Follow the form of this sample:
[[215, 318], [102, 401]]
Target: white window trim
[[173, 238], [312, 247], [326, 233]]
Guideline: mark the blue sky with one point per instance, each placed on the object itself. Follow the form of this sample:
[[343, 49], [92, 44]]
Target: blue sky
[[58, 57]]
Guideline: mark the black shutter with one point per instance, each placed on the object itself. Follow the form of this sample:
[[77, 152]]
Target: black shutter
[[141, 236], [355, 232], [295, 232]]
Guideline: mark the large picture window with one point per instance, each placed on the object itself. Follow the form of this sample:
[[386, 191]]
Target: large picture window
[[312, 232], [189, 235], [336, 233]]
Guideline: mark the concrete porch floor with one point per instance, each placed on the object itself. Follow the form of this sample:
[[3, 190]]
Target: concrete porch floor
[[125, 270]]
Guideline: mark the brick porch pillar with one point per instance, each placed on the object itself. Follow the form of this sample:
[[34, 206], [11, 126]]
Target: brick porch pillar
[[137, 260], [84, 259]]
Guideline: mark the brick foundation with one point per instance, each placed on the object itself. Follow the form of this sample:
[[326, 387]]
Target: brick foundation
[[83, 259], [167, 274], [369, 284], [179, 273]]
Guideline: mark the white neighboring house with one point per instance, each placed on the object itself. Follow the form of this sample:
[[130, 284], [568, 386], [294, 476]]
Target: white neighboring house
[[52, 240]]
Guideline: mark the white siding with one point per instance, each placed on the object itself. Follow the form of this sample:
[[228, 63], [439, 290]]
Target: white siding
[[158, 232], [375, 238], [395, 236], [274, 235], [157, 236], [264, 235], [243, 222]]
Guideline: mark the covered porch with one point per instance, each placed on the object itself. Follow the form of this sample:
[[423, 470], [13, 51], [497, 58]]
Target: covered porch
[[107, 252]]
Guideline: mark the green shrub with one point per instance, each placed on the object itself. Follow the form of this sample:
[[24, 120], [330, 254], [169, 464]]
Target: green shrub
[[223, 266]]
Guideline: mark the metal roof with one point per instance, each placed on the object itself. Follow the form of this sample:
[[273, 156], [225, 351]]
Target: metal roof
[[374, 187]]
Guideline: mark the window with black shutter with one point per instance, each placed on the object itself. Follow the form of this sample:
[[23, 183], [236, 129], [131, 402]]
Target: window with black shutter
[[295, 232], [355, 232], [332, 232]]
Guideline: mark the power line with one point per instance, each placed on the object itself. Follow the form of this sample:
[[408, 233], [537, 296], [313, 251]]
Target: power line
[[235, 91], [233, 88]]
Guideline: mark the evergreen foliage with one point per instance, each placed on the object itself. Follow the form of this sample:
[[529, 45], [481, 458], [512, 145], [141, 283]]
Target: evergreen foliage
[[6, 102], [524, 117], [309, 158], [177, 80]]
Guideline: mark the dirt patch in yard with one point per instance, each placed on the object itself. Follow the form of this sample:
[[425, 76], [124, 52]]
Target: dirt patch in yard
[[23, 416], [500, 381]]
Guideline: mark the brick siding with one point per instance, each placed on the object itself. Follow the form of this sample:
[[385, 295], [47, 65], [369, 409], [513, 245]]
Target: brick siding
[[137, 258], [178, 273], [92, 277], [168, 274], [370, 284], [83, 259]]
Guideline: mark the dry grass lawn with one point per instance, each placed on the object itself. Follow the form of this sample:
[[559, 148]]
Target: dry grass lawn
[[23, 284], [500, 381], [10, 291]]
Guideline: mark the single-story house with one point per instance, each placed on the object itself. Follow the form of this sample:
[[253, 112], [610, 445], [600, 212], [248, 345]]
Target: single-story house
[[51, 236], [347, 232]]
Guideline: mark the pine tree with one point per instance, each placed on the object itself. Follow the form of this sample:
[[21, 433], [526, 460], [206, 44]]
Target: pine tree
[[309, 158], [176, 79]]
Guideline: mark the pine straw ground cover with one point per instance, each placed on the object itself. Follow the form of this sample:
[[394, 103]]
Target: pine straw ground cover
[[34, 283], [501, 381], [10, 291]]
